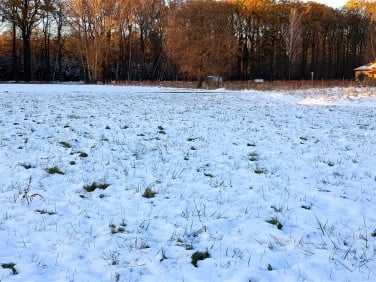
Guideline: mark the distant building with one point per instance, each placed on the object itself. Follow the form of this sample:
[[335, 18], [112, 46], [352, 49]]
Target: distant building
[[366, 71], [213, 81]]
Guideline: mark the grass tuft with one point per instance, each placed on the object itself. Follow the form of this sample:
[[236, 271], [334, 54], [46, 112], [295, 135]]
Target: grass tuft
[[148, 193], [54, 170], [83, 155], [65, 144], [11, 266], [253, 157], [196, 256], [276, 222], [115, 229], [161, 130], [95, 185], [260, 170], [45, 212]]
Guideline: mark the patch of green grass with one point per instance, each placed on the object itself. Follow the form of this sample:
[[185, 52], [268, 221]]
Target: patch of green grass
[[54, 170], [148, 193], [270, 267], [95, 185], [65, 144], [196, 256], [276, 222], [10, 266]]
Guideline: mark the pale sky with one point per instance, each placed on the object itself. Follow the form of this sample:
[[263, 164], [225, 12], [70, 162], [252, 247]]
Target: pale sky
[[331, 3]]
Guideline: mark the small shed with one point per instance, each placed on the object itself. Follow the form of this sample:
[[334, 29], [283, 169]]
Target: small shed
[[213, 81], [366, 71]]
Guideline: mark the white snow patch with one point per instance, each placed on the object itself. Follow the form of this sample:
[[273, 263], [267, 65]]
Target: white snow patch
[[275, 186]]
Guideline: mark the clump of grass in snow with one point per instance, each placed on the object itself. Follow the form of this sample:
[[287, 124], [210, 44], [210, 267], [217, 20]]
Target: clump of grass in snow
[[83, 155], [25, 165], [260, 170], [270, 267], [112, 257], [277, 209], [253, 157], [306, 207], [45, 212], [161, 130], [196, 256], [95, 185], [148, 193], [10, 266], [163, 255], [181, 243], [65, 144], [115, 229], [276, 222], [54, 170]]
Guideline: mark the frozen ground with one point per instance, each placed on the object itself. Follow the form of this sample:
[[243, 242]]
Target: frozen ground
[[272, 186]]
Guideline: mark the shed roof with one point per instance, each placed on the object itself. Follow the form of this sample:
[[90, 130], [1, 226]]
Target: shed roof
[[368, 67]]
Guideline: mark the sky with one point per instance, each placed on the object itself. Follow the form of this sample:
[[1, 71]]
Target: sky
[[332, 3]]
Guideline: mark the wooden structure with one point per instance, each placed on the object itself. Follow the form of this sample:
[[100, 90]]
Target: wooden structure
[[366, 71]]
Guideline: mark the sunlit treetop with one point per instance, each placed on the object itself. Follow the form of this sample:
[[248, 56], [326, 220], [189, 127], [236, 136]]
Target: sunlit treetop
[[367, 6], [252, 4]]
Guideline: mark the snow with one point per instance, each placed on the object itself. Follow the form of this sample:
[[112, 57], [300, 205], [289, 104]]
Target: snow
[[222, 164]]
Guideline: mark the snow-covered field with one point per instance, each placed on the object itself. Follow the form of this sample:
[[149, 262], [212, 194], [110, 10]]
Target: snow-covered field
[[271, 186]]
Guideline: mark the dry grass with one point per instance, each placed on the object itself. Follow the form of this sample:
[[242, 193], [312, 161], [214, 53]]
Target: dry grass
[[267, 85]]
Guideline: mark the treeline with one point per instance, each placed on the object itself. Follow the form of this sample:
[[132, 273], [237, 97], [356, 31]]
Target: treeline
[[119, 40]]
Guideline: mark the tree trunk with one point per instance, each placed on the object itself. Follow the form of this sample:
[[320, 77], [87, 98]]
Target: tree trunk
[[27, 56], [200, 82], [14, 53]]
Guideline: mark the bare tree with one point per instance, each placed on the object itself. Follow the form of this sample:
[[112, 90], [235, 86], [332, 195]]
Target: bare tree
[[92, 24], [149, 16], [59, 15], [371, 43], [24, 14], [293, 39], [201, 39], [8, 14]]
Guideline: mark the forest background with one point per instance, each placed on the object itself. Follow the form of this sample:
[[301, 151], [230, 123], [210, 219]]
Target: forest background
[[158, 40]]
